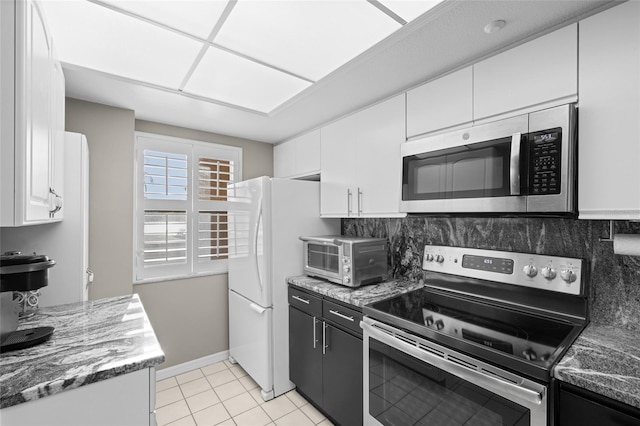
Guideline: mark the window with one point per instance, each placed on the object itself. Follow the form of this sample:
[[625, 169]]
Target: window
[[181, 206]]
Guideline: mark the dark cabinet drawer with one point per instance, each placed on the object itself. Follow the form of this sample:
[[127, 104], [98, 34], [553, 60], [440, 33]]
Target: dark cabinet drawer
[[305, 302], [343, 316]]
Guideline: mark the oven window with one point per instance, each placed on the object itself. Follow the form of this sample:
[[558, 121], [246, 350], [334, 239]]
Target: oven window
[[325, 258], [405, 391]]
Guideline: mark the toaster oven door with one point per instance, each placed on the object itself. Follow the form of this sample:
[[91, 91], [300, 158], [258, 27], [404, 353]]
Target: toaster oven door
[[323, 259]]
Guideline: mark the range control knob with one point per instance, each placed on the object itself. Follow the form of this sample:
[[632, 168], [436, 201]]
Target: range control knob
[[428, 257], [530, 354], [568, 275], [530, 270], [429, 321], [439, 325], [439, 258], [548, 272]]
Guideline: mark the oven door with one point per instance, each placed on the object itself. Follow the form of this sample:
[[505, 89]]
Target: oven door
[[482, 168], [409, 380], [323, 259]]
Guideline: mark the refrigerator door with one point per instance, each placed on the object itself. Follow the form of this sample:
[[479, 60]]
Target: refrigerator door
[[249, 219], [250, 340]]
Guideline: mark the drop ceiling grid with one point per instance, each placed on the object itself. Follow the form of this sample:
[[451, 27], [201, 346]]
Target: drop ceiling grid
[[160, 44]]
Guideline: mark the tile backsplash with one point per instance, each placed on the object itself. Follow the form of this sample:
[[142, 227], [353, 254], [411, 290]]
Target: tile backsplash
[[614, 293]]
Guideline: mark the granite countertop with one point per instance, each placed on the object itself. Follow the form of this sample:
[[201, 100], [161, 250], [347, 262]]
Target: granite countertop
[[606, 361], [358, 296], [92, 341]]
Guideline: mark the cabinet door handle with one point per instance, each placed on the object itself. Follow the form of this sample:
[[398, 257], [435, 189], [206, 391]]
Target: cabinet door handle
[[325, 344], [359, 201], [315, 339], [300, 299], [343, 316], [349, 201]]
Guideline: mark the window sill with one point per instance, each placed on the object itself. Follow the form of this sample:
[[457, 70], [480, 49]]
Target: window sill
[[180, 277]]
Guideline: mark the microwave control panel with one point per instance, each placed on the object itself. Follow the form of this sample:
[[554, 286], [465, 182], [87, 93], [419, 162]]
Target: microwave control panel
[[545, 162]]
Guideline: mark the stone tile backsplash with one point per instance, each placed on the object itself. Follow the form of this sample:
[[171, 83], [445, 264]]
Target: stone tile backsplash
[[614, 293]]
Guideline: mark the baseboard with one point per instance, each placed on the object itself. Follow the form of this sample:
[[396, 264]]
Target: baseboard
[[191, 365]]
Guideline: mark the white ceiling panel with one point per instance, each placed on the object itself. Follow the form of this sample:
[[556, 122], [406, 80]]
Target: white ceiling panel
[[309, 38], [193, 17], [98, 38], [229, 78], [410, 9]]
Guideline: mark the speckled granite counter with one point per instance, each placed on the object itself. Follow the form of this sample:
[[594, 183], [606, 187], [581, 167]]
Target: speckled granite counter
[[604, 360], [359, 296], [92, 341]]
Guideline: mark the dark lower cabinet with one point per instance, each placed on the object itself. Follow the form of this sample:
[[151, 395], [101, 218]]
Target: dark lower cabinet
[[578, 406], [325, 359]]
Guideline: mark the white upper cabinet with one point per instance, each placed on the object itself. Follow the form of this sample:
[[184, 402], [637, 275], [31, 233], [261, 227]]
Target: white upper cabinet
[[609, 125], [361, 175], [32, 117], [299, 157], [439, 104], [542, 71]]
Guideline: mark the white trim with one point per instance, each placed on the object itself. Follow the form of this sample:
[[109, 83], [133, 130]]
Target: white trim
[[185, 367]]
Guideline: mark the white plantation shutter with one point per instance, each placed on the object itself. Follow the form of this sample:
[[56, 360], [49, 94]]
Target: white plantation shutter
[[182, 220]]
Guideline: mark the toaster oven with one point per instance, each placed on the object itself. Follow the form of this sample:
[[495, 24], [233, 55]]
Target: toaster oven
[[349, 261]]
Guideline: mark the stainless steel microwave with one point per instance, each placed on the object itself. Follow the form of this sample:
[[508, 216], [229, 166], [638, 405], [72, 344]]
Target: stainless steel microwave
[[523, 164], [349, 261]]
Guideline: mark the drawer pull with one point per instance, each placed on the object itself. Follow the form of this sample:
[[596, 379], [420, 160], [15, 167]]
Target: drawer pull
[[338, 314], [300, 299]]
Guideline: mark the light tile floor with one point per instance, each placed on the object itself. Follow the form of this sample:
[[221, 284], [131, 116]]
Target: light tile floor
[[223, 394]]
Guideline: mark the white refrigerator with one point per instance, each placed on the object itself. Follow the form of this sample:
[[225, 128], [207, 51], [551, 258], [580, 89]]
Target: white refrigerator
[[266, 218], [67, 241]]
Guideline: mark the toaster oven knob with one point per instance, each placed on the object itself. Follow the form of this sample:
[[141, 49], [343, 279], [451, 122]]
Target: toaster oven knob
[[429, 321], [530, 354], [346, 280], [439, 325], [347, 268], [530, 270], [548, 272], [568, 275], [439, 258]]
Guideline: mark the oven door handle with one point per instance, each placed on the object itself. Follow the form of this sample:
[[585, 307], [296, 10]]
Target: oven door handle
[[514, 165], [481, 379]]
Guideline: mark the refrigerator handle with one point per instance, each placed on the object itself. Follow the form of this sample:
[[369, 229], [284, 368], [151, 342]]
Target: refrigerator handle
[[256, 308], [255, 241]]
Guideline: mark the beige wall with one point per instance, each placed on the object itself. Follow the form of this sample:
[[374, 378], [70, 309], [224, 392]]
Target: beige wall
[[110, 135], [190, 316]]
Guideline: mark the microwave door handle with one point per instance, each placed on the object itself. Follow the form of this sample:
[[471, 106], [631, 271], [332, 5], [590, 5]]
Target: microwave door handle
[[514, 167]]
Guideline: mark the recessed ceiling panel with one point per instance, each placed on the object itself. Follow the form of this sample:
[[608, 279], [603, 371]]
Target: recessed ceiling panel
[[309, 38], [409, 9], [229, 78], [193, 17], [96, 37]]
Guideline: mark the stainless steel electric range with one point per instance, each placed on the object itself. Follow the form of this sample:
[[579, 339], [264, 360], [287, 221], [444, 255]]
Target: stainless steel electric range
[[477, 344]]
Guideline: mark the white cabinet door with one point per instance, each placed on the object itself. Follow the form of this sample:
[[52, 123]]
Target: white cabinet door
[[439, 104], [32, 117], [299, 157], [381, 131], [338, 175], [542, 71], [36, 67], [122, 400], [284, 159], [609, 154], [307, 149]]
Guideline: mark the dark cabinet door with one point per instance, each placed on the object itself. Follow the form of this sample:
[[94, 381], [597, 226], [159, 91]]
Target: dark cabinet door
[[342, 376], [582, 407], [305, 353]]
